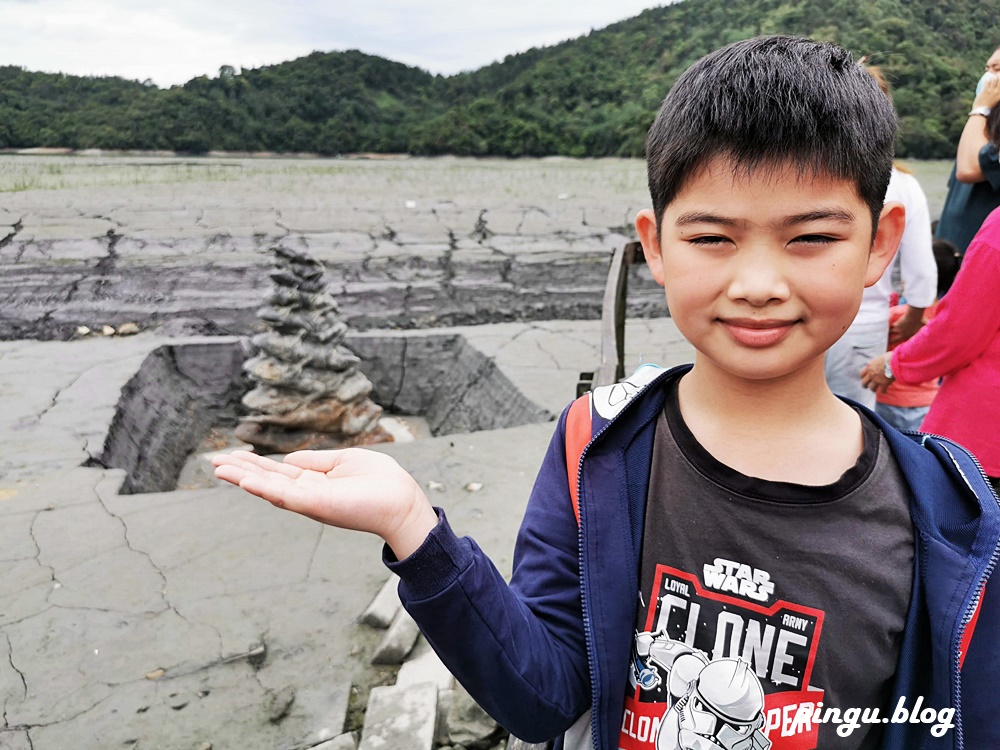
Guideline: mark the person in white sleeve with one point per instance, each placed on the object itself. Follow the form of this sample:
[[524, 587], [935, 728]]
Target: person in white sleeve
[[870, 334]]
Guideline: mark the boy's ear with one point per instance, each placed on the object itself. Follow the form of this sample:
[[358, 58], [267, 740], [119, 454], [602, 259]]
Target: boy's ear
[[645, 227], [891, 223]]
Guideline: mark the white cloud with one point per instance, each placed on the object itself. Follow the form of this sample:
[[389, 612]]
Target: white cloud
[[173, 41]]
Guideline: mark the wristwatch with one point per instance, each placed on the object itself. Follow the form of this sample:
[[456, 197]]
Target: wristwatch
[[887, 369], [984, 111]]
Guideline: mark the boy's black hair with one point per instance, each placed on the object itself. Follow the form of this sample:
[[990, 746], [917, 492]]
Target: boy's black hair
[[772, 101]]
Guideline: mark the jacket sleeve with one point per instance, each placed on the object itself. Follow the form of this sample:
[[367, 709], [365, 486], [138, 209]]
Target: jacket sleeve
[[967, 319], [518, 649]]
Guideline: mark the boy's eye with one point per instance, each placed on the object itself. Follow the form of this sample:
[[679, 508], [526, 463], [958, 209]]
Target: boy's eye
[[708, 240], [815, 239]]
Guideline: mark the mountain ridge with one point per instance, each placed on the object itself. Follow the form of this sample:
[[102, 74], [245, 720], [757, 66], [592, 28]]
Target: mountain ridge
[[594, 95]]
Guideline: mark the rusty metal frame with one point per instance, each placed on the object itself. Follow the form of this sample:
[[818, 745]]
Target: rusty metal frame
[[611, 368]]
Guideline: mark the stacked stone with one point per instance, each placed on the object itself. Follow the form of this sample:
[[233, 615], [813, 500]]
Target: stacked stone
[[310, 393]]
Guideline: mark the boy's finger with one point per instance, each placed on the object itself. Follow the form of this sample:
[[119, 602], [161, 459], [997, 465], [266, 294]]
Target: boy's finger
[[278, 490], [315, 460], [255, 464], [229, 473]]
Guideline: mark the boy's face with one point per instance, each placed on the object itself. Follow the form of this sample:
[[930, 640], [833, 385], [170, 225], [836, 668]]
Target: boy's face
[[764, 270]]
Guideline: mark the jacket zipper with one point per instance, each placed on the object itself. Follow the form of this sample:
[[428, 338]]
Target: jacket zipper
[[588, 636], [956, 674]]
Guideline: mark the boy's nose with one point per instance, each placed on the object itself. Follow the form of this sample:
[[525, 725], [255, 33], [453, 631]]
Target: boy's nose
[[758, 280]]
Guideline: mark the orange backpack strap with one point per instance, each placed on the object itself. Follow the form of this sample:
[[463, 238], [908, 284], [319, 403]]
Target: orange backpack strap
[[578, 433]]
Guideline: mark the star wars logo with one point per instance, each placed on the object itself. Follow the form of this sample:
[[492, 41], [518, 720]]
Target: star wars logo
[[779, 642], [739, 579]]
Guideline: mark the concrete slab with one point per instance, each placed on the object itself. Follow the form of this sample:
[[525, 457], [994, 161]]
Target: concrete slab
[[400, 718], [467, 724], [15, 739], [398, 640], [347, 741], [384, 606], [423, 665], [25, 586], [16, 542]]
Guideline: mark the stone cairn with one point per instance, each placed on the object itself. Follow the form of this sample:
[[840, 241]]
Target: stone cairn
[[309, 391]]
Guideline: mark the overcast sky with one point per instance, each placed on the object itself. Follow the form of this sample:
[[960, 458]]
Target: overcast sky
[[172, 41]]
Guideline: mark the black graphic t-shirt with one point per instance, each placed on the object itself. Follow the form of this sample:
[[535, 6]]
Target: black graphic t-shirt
[[764, 604]]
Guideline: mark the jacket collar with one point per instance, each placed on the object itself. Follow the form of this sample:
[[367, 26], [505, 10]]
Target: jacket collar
[[933, 467]]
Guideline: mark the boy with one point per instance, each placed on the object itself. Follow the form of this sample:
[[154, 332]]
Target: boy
[[723, 555]]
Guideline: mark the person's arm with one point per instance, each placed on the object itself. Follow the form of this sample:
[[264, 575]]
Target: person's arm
[[916, 263], [907, 325], [520, 649], [967, 320], [974, 136]]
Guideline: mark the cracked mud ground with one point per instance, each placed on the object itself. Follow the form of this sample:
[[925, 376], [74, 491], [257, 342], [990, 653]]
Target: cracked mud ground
[[171, 620], [409, 243]]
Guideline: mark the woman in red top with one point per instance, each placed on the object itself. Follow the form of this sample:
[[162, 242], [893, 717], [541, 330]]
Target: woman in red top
[[902, 405], [962, 345]]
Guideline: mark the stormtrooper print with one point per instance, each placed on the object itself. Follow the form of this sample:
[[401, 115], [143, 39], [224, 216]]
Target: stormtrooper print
[[718, 668], [714, 705]]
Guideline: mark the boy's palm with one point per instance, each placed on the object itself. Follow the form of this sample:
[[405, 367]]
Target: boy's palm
[[352, 488]]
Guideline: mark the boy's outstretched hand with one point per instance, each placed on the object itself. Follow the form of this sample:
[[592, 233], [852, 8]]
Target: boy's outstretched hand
[[352, 489]]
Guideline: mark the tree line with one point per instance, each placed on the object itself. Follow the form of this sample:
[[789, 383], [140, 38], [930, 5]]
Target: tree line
[[591, 96]]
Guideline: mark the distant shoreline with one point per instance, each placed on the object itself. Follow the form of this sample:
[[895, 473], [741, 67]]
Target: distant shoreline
[[60, 151]]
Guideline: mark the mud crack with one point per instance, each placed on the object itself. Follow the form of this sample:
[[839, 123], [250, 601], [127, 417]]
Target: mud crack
[[17, 226]]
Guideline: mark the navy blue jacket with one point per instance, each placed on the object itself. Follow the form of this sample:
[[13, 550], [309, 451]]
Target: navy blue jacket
[[540, 653]]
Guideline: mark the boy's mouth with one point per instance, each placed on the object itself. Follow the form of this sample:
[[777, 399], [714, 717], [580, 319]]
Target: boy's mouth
[[757, 333]]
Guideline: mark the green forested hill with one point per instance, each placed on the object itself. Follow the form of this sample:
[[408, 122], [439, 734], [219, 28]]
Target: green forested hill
[[591, 96]]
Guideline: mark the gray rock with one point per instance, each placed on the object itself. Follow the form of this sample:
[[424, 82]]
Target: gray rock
[[445, 698], [320, 325], [273, 372], [345, 385], [398, 640], [315, 395], [468, 724], [283, 278], [400, 718], [384, 606], [424, 665], [270, 400], [294, 256], [280, 703], [348, 741], [294, 349]]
